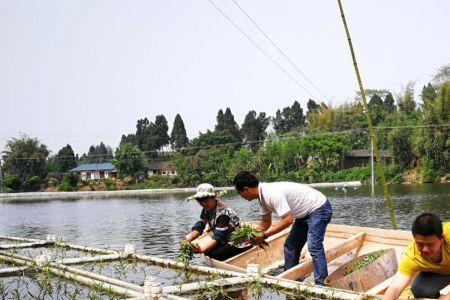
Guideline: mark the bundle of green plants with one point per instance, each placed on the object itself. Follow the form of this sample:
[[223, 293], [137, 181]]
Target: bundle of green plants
[[186, 254], [245, 234], [368, 259]]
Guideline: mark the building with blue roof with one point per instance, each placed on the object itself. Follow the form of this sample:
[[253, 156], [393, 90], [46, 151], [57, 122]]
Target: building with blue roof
[[95, 171]]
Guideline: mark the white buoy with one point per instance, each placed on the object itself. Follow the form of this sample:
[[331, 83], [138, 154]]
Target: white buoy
[[129, 249], [148, 281], [156, 290], [254, 269]]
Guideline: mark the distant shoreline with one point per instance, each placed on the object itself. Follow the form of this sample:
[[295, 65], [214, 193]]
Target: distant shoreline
[[39, 196]]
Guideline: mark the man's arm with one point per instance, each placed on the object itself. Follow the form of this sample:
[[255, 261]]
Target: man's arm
[[192, 236], [210, 245], [399, 283], [285, 222], [265, 222]]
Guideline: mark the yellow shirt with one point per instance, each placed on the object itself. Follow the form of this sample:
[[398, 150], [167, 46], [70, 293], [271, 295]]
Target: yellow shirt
[[413, 262]]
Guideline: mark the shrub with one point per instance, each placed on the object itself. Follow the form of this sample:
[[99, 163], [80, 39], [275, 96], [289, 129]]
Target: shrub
[[32, 184], [12, 183], [430, 176], [69, 183]]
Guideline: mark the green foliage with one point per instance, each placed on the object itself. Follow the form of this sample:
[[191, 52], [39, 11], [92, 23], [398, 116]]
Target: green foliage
[[289, 118], [367, 260], [32, 184], [186, 254], [178, 137], [12, 183], [65, 159], [129, 161], [25, 157], [226, 123], [97, 154], [436, 141], [253, 129], [401, 148], [69, 183], [244, 234], [389, 104], [406, 102]]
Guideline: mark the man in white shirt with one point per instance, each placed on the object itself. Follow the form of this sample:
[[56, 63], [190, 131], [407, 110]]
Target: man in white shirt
[[305, 208]]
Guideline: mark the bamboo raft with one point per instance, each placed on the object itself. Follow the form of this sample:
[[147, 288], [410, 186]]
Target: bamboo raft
[[342, 245], [67, 268]]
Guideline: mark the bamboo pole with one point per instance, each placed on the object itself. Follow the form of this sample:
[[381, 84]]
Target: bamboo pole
[[100, 277], [25, 245], [80, 260], [93, 282], [13, 271], [369, 122], [171, 263], [85, 248]]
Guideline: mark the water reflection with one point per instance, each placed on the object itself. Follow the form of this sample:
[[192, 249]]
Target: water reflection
[[157, 224]]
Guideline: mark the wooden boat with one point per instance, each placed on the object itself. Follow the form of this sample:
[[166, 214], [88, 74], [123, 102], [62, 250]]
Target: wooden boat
[[342, 244]]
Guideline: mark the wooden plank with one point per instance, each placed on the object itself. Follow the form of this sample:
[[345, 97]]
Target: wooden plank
[[307, 266], [381, 288]]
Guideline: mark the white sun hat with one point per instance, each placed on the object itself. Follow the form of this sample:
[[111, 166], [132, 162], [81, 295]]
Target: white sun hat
[[205, 190]]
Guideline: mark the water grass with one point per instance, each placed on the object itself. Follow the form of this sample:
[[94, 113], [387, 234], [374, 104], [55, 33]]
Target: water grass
[[368, 259], [246, 234]]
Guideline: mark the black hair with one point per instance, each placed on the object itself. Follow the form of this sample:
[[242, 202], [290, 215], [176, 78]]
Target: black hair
[[427, 224], [245, 179]]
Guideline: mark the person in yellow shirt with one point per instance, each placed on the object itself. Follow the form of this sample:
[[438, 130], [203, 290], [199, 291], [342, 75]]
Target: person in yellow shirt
[[426, 260]]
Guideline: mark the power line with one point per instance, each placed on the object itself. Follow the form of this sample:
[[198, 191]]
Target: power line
[[279, 50], [260, 49]]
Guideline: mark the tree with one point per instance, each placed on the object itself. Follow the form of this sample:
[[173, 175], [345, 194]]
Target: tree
[[401, 148], [442, 75], [253, 129], [389, 104], [295, 119], [129, 161], [161, 132], [230, 124], [376, 109], [428, 93], [289, 119], [220, 126], [312, 107], [406, 101], [128, 139], [65, 159], [99, 153], [178, 137], [437, 139], [25, 157]]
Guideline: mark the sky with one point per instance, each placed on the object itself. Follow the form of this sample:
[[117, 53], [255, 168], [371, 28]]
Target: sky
[[81, 72]]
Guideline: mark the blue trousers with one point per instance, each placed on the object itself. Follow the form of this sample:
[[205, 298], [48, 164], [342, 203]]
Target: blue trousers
[[312, 229]]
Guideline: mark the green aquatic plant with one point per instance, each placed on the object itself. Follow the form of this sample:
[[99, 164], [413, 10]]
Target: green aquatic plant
[[186, 254], [245, 234], [368, 259]]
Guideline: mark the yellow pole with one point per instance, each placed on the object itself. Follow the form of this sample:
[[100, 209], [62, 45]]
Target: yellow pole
[[373, 136]]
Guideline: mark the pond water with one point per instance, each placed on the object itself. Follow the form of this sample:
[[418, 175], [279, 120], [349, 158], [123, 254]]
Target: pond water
[[157, 224]]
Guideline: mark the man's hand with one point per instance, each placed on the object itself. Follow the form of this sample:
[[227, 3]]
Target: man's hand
[[259, 239], [197, 248]]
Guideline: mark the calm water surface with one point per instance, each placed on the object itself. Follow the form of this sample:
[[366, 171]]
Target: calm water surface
[[157, 224]]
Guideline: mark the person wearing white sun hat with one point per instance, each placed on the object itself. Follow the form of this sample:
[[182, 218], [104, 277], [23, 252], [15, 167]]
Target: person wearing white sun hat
[[221, 220]]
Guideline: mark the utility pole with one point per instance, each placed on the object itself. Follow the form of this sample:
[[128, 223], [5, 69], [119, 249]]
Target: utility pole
[[1, 177]]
